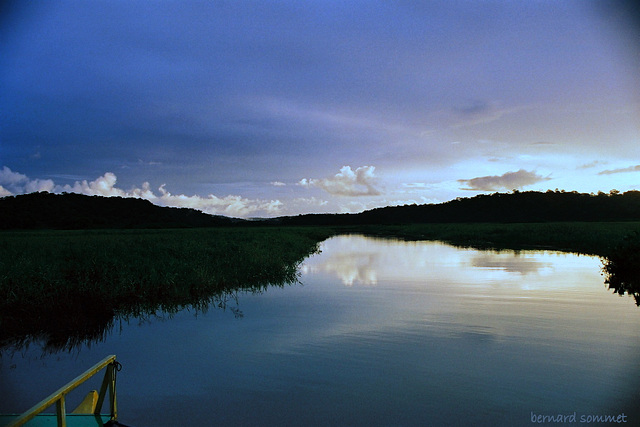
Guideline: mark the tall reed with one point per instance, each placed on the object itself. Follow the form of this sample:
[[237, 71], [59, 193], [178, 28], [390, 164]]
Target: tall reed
[[57, 284]]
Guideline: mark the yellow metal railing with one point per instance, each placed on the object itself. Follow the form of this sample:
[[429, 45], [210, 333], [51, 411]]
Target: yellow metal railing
[[58, 397]]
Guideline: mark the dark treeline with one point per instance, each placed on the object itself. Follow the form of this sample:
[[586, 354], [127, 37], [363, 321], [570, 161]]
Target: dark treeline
[[515, 207], [74, 211], [71, 211]]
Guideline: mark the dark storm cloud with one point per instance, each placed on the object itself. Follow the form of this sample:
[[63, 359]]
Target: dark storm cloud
[[177, 78], [209, 95]]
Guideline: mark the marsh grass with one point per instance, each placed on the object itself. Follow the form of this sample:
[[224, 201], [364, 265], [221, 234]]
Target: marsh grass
[[68, 286]]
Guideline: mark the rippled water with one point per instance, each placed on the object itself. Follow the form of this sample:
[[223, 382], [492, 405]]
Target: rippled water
[[380, 332]]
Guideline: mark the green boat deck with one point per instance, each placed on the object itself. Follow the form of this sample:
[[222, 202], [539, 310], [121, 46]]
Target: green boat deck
[[51, 420]]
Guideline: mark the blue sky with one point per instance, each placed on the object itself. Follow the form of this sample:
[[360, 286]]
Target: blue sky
[[267, 108]]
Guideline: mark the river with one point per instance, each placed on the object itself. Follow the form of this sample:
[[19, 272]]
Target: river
[[379, 332]]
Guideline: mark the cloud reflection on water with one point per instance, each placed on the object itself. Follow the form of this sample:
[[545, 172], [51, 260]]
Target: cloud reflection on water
[[364, 261]]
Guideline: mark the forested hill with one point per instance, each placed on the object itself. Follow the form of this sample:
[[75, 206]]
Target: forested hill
[[75, 211], [529, 206]]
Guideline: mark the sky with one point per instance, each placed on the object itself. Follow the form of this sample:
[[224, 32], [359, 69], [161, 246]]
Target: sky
[[271, 108]]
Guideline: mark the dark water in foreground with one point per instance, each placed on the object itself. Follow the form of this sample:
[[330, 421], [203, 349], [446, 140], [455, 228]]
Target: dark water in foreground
[[380, 333]]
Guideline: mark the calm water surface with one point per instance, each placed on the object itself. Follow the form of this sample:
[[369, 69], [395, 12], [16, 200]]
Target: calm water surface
[[381, 333]]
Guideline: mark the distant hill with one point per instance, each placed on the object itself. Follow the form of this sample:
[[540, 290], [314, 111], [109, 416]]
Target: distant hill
[[529, 206], [75, 211]]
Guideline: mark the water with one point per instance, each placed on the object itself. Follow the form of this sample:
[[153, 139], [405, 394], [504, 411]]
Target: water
[[380, 333]]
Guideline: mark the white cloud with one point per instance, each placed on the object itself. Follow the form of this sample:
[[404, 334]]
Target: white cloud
[[508, 181], [361, 182], [311, 201], [231, 205], [143, 193], [105, 185], [148, 163], [304, 205], [17, 183], [414, 186], [278, 184]]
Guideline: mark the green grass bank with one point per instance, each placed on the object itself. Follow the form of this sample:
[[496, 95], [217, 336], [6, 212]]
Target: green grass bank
[[60, 284], [593, 238]]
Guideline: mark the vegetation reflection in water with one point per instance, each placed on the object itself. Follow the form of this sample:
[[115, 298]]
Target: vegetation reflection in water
[[71, 288], [622, 267]]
